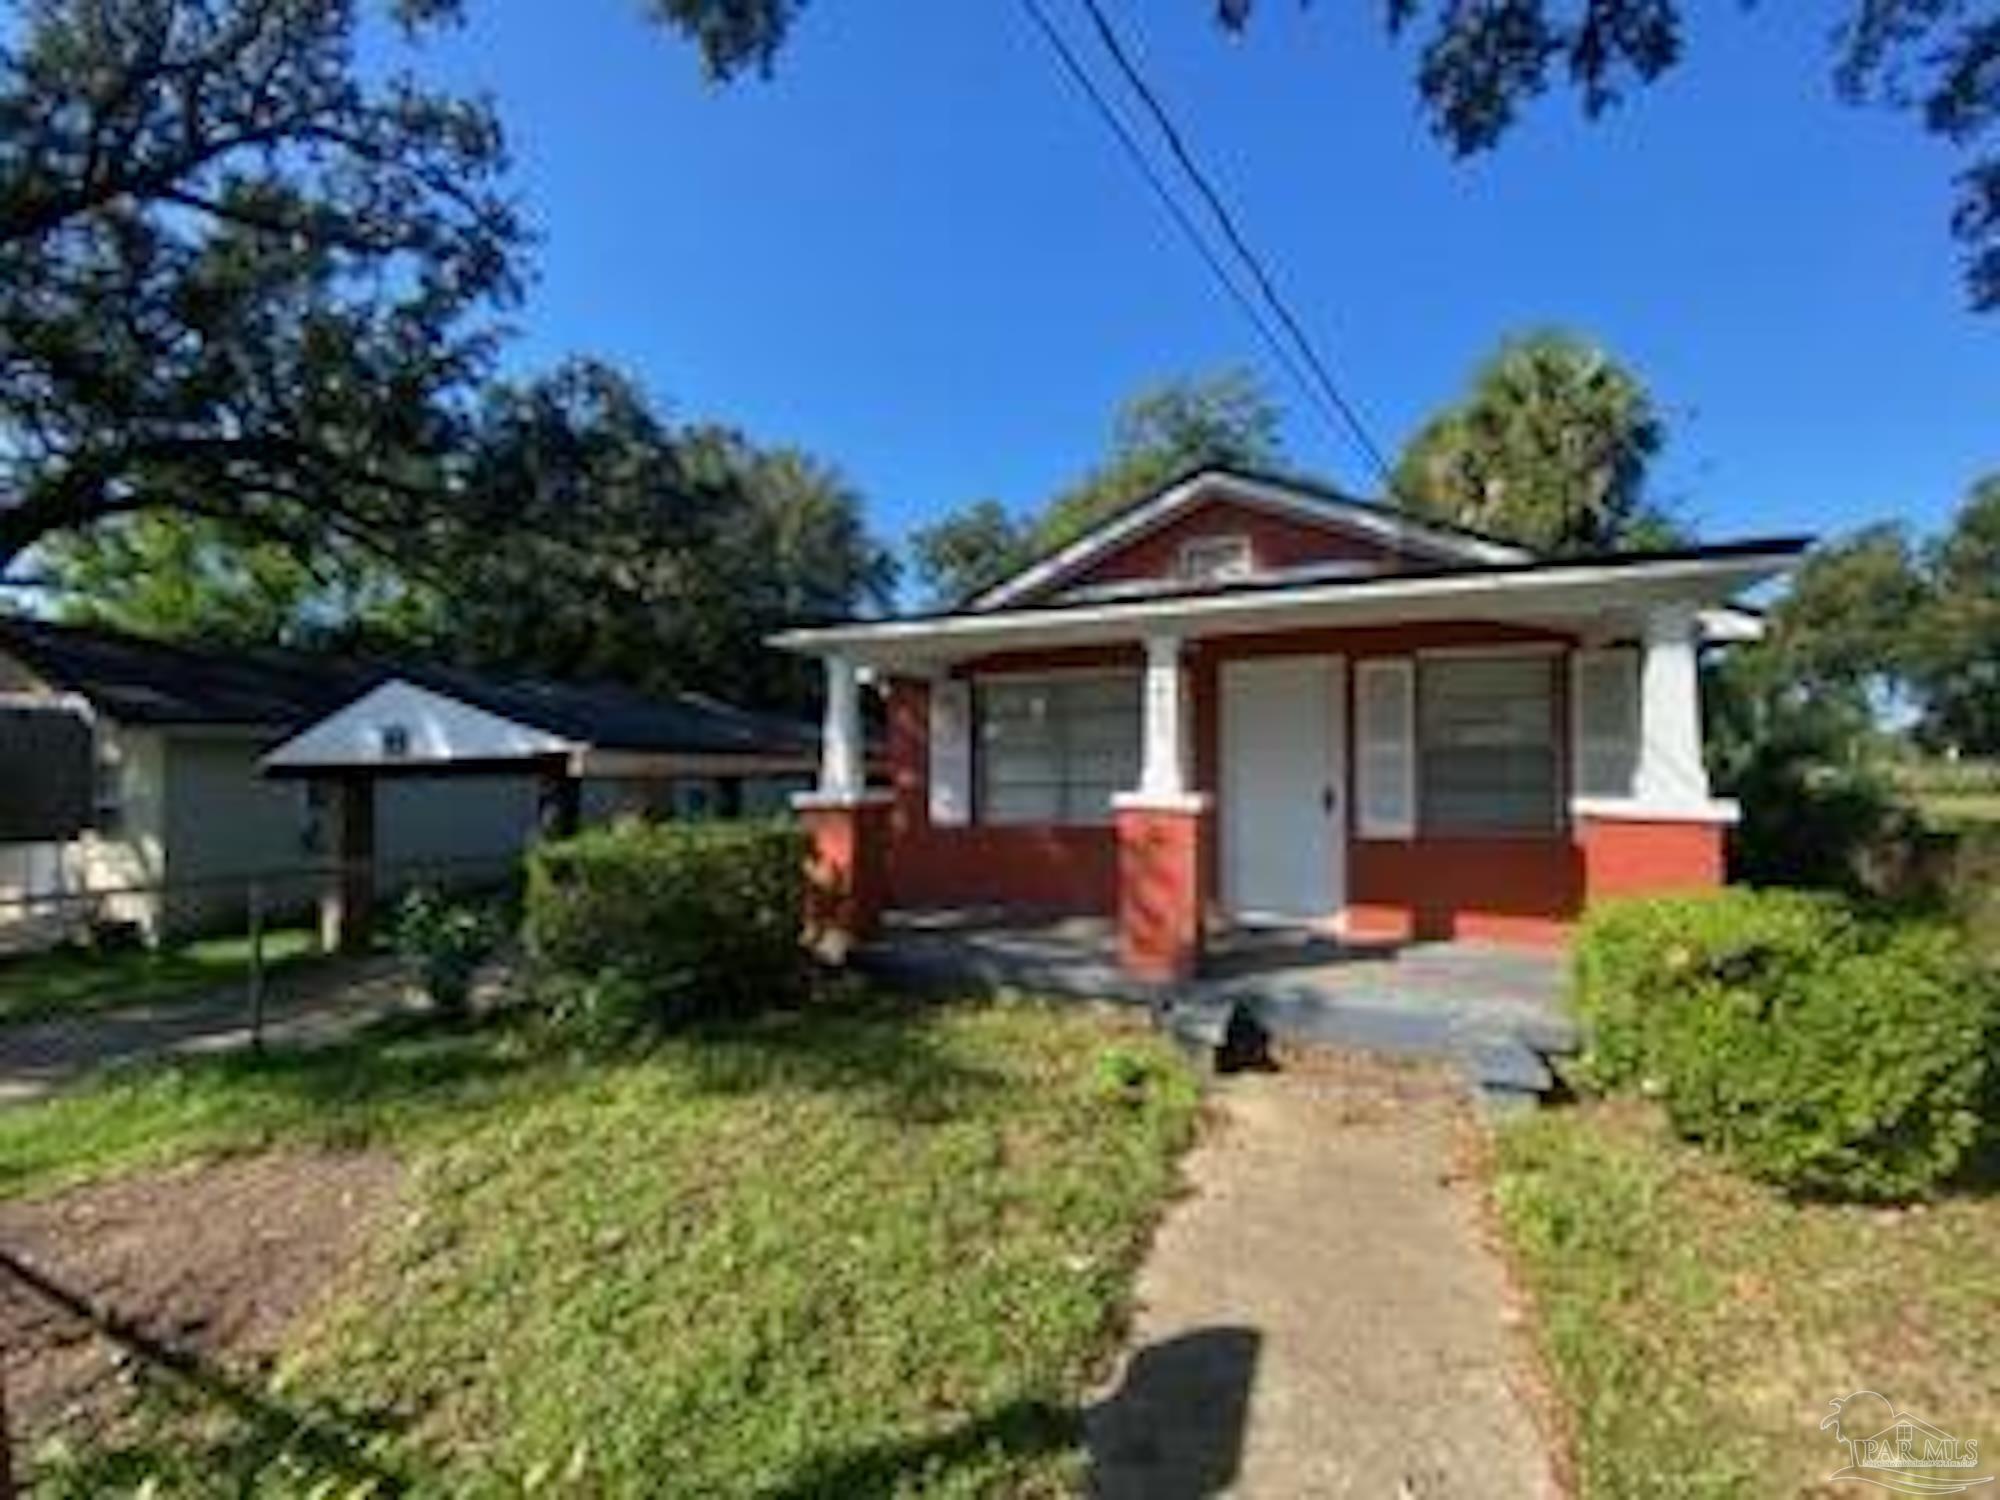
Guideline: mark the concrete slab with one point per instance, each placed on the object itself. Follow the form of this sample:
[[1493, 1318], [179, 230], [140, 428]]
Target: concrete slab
[[1495, 1013]]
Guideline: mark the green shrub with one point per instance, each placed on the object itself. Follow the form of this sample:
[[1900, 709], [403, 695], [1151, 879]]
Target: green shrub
[[446, 940], [1819, 1049], [646, 925]]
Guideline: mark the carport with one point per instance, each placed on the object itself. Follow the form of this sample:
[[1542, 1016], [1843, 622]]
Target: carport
[[630, 749]]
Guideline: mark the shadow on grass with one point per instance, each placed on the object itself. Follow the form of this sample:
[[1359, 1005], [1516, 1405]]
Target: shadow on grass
[[1172, 1430], [326, 1443], [886, 1053]]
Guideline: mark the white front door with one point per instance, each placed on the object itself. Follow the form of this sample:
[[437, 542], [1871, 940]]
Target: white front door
[[1283, 780]]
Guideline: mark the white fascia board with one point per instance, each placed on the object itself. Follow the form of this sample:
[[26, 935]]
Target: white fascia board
[[1562, 590], [438, 729], [1391, 529], [1730, 627]]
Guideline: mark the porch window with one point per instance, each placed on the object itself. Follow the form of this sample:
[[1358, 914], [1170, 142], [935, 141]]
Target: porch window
[[1056, 749], [1486, 734]]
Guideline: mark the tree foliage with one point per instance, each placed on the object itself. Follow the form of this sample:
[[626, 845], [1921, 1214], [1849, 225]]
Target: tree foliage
[[237, 279], [1956, 667], [1549, 448], [579, 534], [595, 539], [1479, 66], [1875, 629], [191, 578], [1161, 432]]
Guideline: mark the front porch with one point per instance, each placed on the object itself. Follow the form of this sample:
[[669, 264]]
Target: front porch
[[1493, 1011]]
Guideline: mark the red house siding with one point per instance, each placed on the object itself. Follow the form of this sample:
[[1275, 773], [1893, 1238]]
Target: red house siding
[[1276, 541], [1033, 867]]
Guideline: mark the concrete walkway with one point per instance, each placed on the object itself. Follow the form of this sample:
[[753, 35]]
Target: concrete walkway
[[318, 1004], [1319, 1316]]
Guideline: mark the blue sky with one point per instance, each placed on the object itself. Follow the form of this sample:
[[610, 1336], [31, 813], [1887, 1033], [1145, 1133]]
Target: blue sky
[[916, 254]]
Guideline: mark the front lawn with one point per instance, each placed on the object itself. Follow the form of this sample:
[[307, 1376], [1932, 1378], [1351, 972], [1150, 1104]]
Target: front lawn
[[873, 1250], [1698, 1324], [75, 981]]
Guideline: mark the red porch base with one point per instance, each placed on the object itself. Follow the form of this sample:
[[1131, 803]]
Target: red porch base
[[1160, 863], [848, 873], [1650, 856]]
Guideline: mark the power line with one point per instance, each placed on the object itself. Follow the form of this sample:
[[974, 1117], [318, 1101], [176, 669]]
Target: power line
[[1079, 75], [1226, 221]]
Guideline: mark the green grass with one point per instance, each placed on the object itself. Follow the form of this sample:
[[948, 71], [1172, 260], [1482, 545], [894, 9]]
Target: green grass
[[1697, 1326], [76, 981], [1950, 811], [871, 1251]]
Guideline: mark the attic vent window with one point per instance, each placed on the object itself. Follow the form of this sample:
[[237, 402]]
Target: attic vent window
[[1215, 559], [395, 741]]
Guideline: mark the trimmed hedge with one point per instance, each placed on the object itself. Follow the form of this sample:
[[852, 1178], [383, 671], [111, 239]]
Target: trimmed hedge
[[648, 925], [1819, 1049]]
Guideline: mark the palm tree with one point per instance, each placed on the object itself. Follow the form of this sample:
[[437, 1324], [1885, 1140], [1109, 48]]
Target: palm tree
[[1550, 448]]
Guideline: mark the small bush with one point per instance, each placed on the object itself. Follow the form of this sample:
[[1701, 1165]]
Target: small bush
[[1818, 1048], [447, 940], [646, 925]]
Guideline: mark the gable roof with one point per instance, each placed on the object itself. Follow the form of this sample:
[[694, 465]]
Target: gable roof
[[134, 680], [1437, 542]]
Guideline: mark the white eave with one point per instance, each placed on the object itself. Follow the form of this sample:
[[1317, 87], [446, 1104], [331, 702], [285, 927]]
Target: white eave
[[1587, 596]]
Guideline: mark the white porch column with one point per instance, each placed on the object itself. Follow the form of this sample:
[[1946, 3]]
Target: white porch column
[[1671, 772], [1163, 774], [842, 770]]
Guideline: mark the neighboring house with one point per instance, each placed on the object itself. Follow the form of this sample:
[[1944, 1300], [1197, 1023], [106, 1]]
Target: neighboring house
[[1248, 699], [184, 798]]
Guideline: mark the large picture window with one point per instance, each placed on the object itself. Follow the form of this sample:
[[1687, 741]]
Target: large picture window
[[1056, 749], [1486, 737]]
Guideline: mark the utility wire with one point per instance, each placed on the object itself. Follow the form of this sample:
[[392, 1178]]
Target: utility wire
[[1079, 75], [1226, 221]]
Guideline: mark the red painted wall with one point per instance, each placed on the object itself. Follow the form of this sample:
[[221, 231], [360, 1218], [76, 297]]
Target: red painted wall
[[1276, 541], [1031, 866]]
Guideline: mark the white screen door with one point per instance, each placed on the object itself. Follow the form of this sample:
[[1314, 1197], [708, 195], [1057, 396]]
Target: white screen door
[[1284, 780]]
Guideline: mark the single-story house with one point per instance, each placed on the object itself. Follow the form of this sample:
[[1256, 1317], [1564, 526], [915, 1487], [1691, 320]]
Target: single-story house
[[1249, 699], [210, 767]]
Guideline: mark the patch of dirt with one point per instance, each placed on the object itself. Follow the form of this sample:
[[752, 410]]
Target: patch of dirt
[[213, 1260]]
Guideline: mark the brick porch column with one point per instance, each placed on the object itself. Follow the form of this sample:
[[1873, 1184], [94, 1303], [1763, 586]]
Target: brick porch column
[[848, 866], [847, 869], [1163, 830]]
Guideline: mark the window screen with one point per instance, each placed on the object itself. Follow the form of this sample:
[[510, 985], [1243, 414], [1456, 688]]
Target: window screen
[[1486, 734], [1056, 749]]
